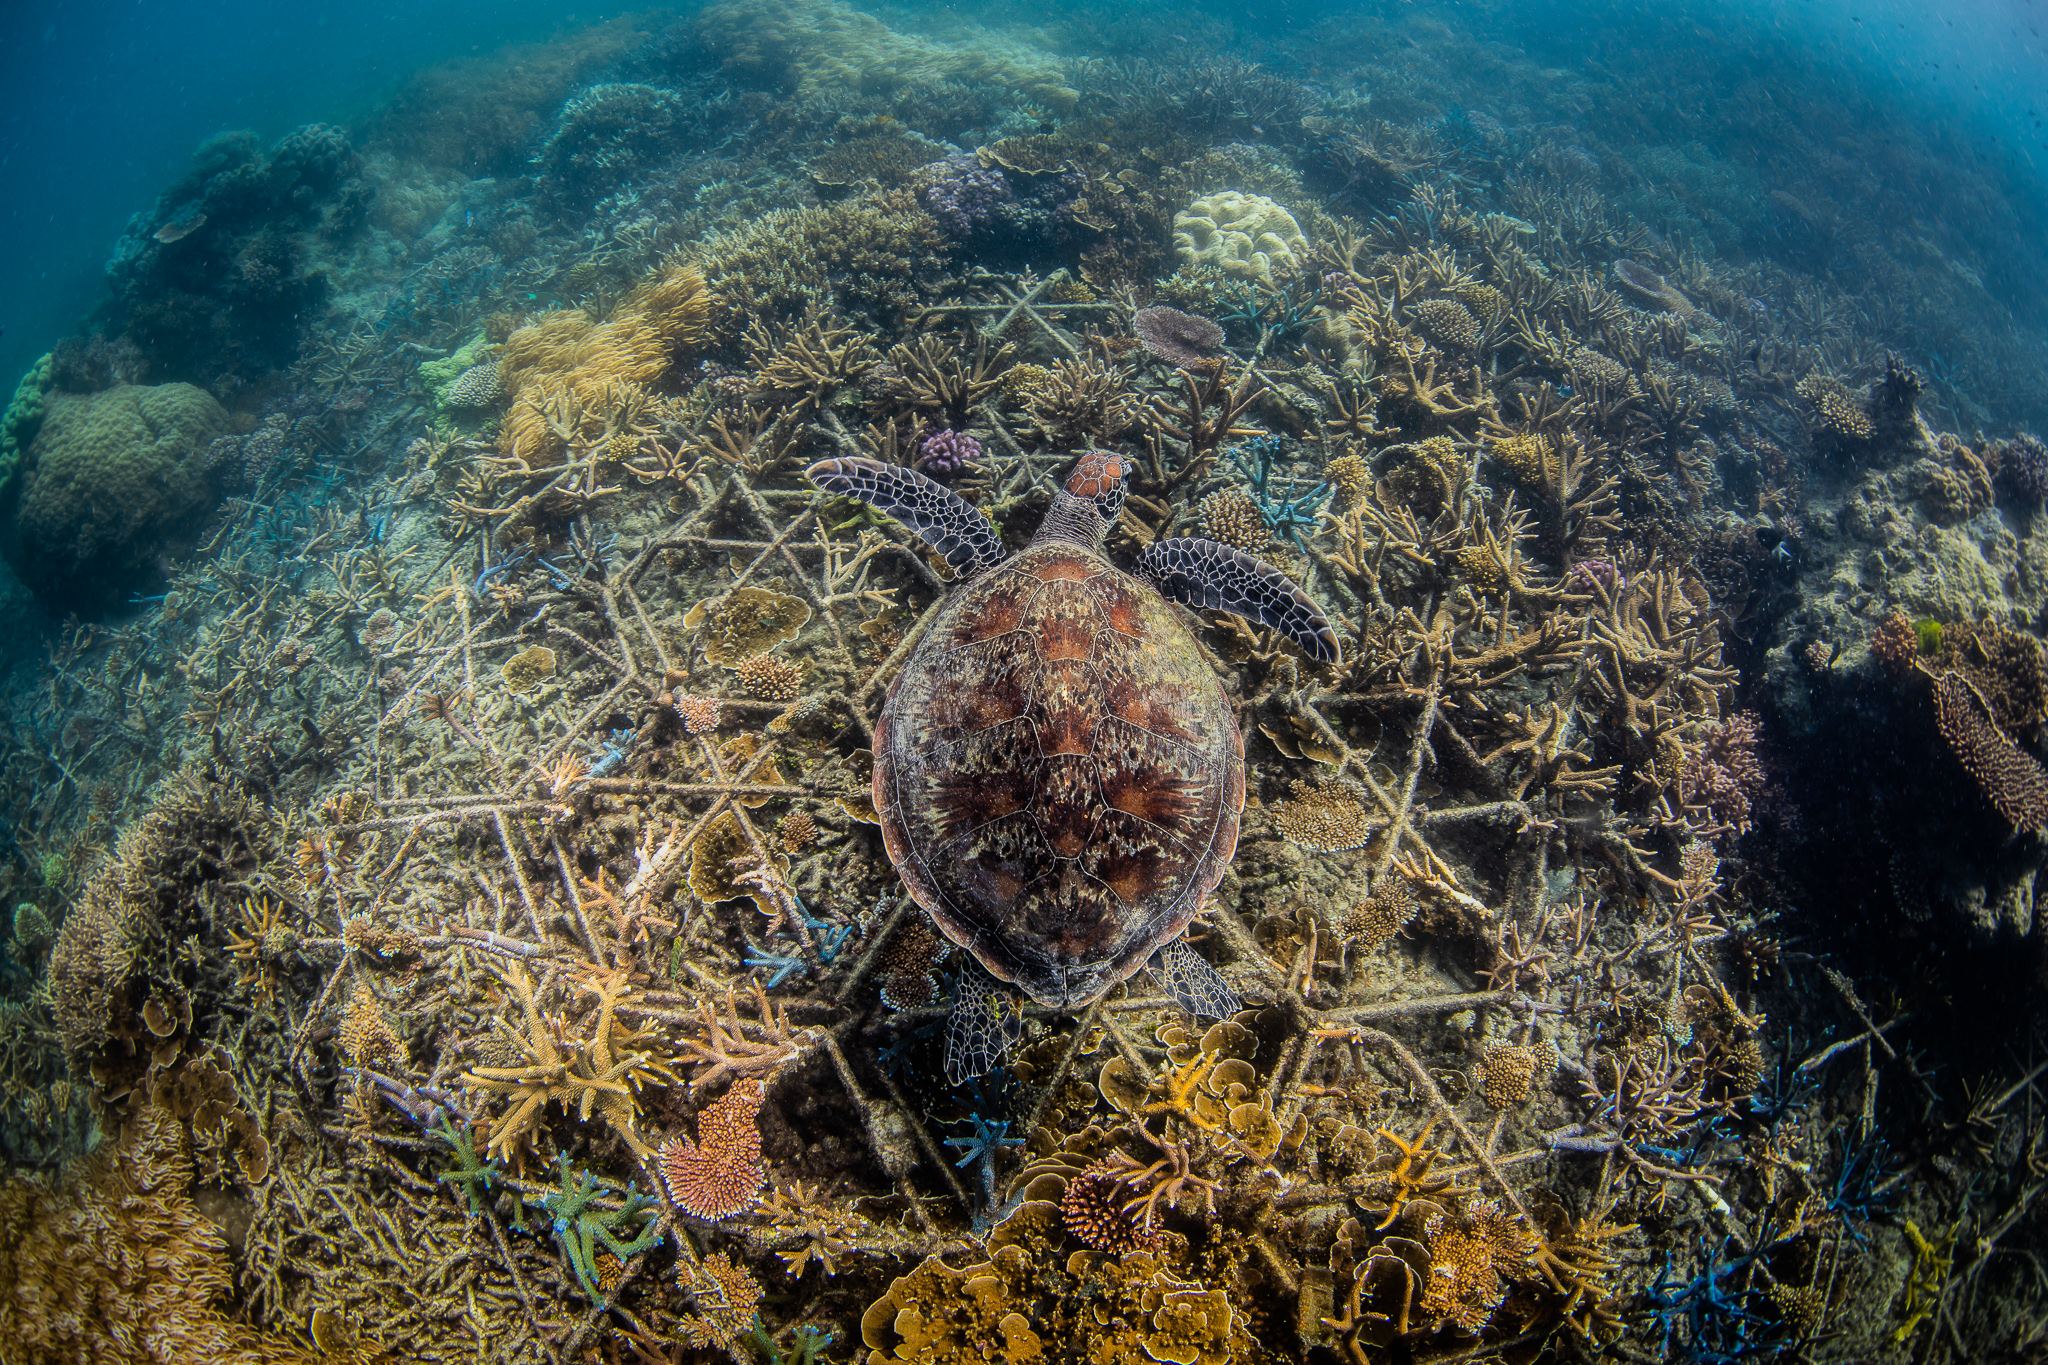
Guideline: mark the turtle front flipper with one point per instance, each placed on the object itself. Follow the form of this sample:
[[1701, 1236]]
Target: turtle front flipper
[[986, 1022], [941, 518], [1216, 577], [1194, 985]]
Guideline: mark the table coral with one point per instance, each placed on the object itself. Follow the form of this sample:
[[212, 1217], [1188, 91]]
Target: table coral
[[746, 622]]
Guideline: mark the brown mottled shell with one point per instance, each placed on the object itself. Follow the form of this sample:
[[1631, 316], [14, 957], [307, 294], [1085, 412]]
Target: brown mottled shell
[[1059, 773]]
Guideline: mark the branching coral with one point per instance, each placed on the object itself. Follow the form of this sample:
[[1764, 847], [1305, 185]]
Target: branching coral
[[600, 1074], [1025, 1302], [718, 1174], [2013, 780]]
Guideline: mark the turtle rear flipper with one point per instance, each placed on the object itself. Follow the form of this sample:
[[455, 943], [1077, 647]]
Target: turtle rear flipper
[[941, 518], [986, 1022], [1194, 985], [1217, 577]]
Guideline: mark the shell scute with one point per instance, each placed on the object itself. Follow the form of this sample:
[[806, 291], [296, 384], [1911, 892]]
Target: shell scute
[[994, 682], [1068, 802], [982, 778], [1154, 779], [1064, 618]]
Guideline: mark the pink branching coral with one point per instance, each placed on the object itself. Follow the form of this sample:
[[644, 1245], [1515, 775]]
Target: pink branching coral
[[700, 715], [2008, 775], [1724, 773], [947, 452], [720, 1174]]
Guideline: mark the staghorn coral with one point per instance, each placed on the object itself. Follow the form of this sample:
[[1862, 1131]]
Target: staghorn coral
[[600, 1074], [719, 1174]]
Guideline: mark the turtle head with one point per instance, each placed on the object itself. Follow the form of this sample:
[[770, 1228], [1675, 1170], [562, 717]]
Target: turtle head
[[1090, 502]]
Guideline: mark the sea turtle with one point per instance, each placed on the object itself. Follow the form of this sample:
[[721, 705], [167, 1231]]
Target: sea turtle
[[1058, 770]]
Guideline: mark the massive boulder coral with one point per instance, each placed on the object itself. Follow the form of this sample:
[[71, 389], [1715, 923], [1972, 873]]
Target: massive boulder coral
[[107, 486], [1245, 235]]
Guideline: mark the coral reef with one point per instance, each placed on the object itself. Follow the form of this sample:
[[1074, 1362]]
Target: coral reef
[[221, 277], [116, 1263], [459, 880]]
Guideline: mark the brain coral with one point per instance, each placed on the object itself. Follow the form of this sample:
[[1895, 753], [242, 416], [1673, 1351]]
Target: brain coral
[[109, 482], [1246, 235]]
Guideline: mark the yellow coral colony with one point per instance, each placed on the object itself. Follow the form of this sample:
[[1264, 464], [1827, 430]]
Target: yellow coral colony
[[1244, 235], [566, 371]]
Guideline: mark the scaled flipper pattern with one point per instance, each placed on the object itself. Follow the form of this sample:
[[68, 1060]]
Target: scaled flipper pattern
[[986, 1021], [940, 517], [1217, 577], [1194, 985]]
